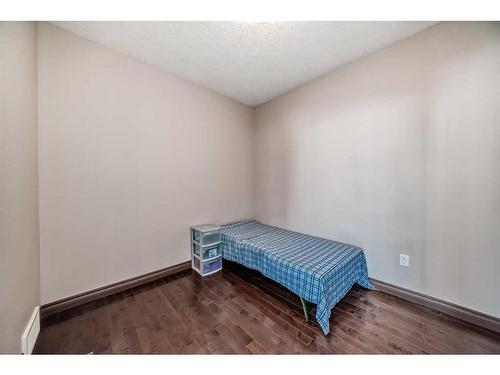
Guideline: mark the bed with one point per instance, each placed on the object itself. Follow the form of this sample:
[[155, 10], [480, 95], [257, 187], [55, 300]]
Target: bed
[[318, 270]]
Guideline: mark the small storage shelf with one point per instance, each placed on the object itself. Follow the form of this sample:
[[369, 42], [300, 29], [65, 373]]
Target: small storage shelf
[[206, 255]]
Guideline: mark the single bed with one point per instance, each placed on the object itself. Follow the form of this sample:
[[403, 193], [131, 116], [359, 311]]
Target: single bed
[[317, 270]]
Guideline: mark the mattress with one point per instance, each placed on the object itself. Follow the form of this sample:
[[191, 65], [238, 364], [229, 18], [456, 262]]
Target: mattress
[[320, 271]]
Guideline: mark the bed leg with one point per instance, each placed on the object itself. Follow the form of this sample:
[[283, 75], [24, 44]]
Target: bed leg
[[304, 307]]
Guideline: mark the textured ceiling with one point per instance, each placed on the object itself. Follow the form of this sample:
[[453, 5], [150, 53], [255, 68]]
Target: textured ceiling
[[251, 62]]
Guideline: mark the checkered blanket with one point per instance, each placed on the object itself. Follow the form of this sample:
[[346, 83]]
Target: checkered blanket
[[318, 270]]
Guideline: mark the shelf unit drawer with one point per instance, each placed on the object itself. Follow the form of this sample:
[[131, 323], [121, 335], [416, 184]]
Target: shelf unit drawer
[[207, 252], [208, 267], [211, 266], [206, 238]]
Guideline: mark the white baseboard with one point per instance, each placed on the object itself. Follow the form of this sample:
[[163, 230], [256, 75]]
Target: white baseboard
[[30, 335]]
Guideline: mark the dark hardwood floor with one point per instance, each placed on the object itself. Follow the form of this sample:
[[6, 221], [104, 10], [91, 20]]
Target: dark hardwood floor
[[225, 313]]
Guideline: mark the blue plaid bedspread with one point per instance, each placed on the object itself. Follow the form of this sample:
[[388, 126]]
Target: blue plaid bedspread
[[318, 270]]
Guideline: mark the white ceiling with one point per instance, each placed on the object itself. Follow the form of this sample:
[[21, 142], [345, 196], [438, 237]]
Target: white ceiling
[[251, 62]]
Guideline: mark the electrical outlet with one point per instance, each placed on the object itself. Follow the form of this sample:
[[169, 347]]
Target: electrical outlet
[[404, 260]]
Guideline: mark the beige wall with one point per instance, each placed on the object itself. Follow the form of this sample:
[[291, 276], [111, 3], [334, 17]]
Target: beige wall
[[130, 157], [398, 152], [19, 250]]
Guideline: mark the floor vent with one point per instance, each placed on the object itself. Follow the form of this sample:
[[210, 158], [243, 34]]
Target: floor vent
[[28, 340]]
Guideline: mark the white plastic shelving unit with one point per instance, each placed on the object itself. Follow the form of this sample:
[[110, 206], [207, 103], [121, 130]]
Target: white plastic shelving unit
[[206, 255]]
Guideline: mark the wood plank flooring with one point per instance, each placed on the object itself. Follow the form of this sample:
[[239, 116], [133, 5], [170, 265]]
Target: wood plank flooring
[[226, 314]]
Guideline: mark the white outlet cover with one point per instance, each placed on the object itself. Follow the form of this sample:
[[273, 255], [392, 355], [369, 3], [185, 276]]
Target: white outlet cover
[[404, 260]]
